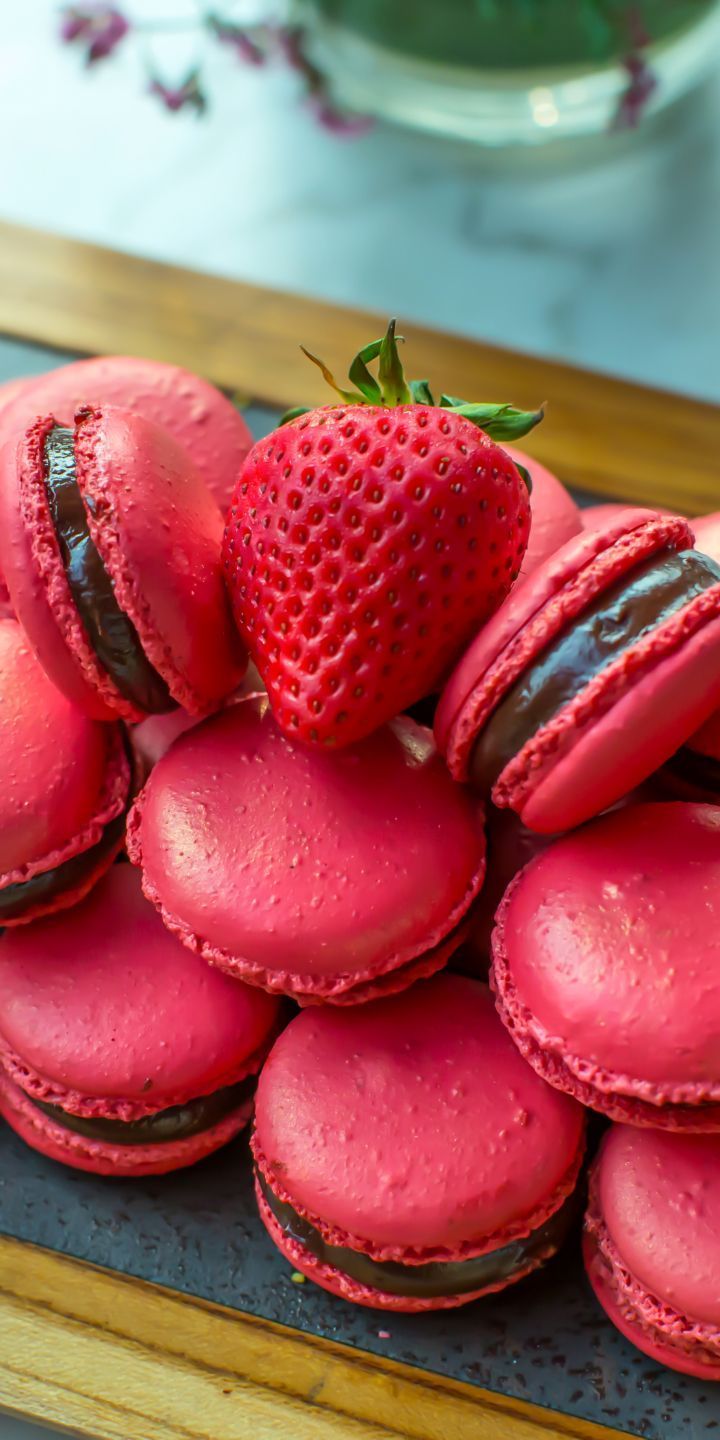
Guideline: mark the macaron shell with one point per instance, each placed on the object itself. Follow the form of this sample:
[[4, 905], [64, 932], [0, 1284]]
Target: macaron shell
[[64, 777], [659, 1198], [663, 1353], [555, 517], [200, 418], [596, 517], [336, 1283], [561, 940], [706, 740], [104, 1013], [306, 870], [40, 594], [159, 534], [100, 1157], [581, 763], [12, 390], [392, 983], [707, 535], [535, 614], [510, 847], [413, 1125], [9, 392]]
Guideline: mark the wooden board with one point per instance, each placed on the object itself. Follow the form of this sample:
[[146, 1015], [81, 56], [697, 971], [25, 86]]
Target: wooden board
[[150, 1342], [601, 434]]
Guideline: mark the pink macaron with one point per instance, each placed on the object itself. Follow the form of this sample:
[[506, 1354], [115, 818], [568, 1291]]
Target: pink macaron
[[407, 1158], [152, 738], [9, 393], [110, 543], [652, 1244], [120, 1052], [597, 517], [694, 773], [64, 791], [606, 965], [554, 515], [203, 421], [510, 847], [327, 875], [592, 674]]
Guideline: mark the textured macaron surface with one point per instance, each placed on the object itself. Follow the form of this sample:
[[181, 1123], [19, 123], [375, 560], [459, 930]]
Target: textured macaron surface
[[311, 862], [159, 534], [607, 953], [54, 762], [104, 1005], [658, 1196], [200, 418], [413, 1123]]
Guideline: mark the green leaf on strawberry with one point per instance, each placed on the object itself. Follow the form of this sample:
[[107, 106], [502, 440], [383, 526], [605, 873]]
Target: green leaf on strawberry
[[501, 421]]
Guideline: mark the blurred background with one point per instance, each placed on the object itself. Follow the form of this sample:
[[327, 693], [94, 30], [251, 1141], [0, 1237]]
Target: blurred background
[[602, 251], [544, 174]]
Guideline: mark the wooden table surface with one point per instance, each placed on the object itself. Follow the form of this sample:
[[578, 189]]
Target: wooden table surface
[[102, 1354]]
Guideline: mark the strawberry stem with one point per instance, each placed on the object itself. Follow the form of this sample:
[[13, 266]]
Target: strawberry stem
[[500, 422]]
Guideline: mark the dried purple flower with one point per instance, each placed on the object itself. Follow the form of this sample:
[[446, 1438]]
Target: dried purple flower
[[238, 40], [188, 96], [291, 43], [338, 122], [100, 28], [641, 87]]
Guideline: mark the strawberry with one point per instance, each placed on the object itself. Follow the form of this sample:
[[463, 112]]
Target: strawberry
[[366, 543]]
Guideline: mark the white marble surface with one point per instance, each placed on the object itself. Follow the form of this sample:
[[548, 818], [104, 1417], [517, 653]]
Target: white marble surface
[[609, 258]]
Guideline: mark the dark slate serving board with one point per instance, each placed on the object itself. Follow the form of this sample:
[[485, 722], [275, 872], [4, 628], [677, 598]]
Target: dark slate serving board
[[197, 1232]]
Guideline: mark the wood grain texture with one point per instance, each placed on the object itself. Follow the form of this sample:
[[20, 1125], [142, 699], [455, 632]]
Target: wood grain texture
[[600, 434], [116, 1357]]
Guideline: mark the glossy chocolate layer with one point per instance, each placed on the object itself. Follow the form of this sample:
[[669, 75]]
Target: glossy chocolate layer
[[16, 900], [619, 618], [177, 1123], [112, 634], [436, 1279], [697, 769]]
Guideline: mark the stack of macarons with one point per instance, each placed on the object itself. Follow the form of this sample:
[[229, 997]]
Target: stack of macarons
[[311, 865]]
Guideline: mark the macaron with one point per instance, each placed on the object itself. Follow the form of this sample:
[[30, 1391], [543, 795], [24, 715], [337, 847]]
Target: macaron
[[652, 1244], [606, 965], [406, 1157], [153, 737], [110, 544], [596, 517], [591, 676], [694, 772], [9, 393], [208, 426], [707, 534], [326, 875], [554, 515], [65, 785], [122, 1053], [510, 847]]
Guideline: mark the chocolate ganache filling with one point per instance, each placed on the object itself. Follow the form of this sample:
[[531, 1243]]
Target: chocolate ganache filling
[[619, 618], [436, 1279], [697, 769], [16, 900], [112, 634], [179, 1122]]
